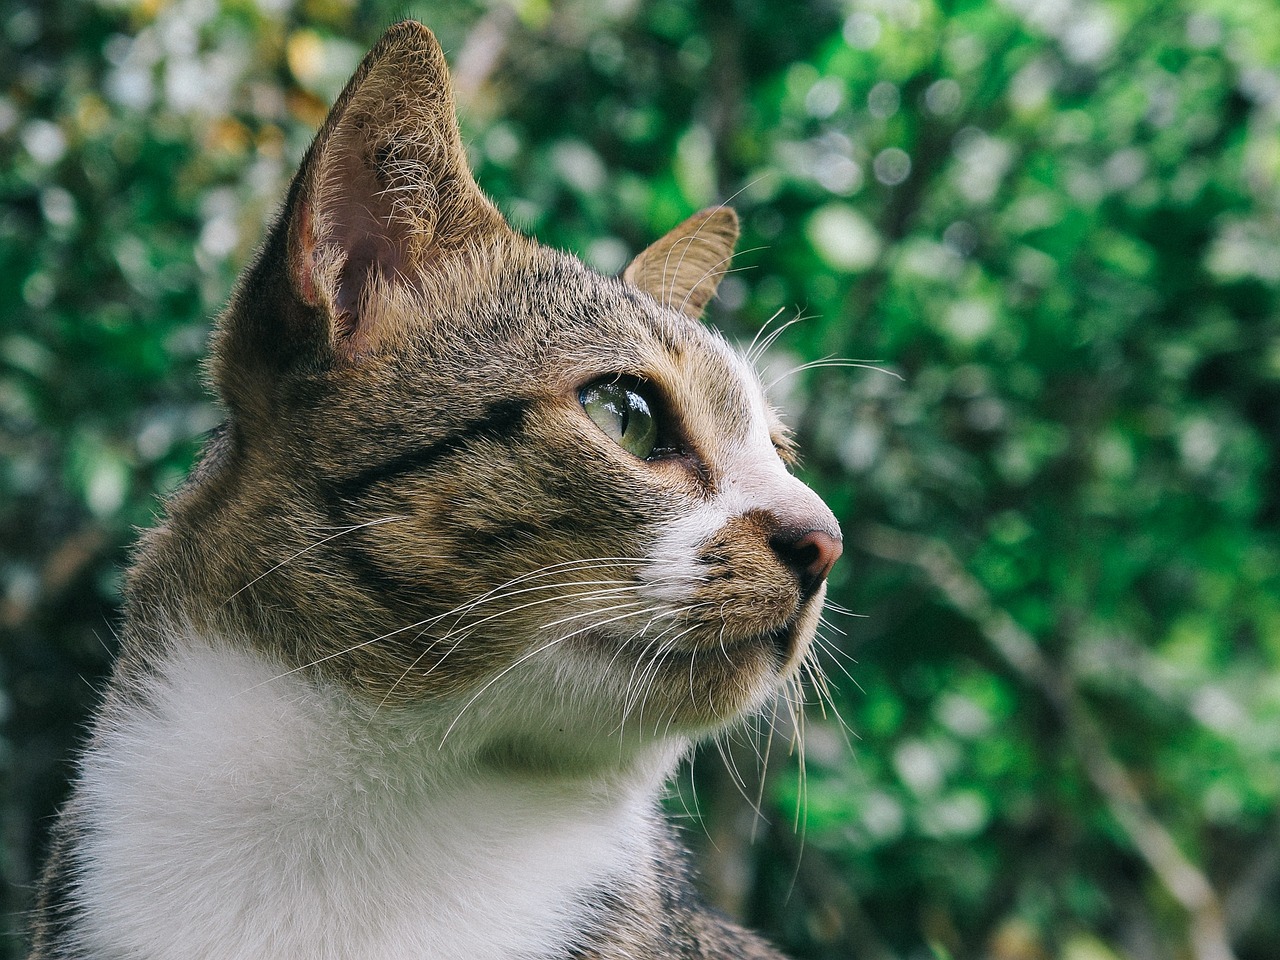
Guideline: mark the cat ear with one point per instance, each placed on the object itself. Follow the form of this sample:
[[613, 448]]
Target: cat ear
[[684, 268], [385, 191], [384, 205]]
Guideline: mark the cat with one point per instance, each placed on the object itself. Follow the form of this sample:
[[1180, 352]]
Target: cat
[[486, 542]]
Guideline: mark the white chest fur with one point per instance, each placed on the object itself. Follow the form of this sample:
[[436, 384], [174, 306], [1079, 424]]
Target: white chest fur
[[240, 814]]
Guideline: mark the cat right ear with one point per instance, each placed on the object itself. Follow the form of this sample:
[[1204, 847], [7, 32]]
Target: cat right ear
[[683, 268], [383, 199]]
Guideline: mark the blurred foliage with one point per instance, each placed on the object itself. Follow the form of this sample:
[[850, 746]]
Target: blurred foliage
[[1054, 224]]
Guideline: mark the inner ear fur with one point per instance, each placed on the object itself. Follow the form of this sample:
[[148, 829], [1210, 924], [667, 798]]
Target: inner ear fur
[[683, 268], [385, 191], [382, 216]]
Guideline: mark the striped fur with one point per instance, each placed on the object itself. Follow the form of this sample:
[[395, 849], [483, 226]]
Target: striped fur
[[415, 650]]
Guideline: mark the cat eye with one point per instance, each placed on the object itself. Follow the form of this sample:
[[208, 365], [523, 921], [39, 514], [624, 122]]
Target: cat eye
[[623, 413]]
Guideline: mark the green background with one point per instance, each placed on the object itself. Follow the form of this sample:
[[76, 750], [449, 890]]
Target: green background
[[1054, 225]]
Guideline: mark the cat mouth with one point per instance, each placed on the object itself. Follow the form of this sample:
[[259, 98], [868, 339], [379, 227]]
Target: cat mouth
[[781, 644], [783, 641]]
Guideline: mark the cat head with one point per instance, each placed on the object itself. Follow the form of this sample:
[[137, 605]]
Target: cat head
[[461, 468]]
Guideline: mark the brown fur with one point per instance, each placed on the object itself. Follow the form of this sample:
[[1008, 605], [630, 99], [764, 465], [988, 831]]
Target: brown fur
[[683, 269], [401, 373]]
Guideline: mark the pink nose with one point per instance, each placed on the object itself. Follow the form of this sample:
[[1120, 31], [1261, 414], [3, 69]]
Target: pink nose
[[810, 554]]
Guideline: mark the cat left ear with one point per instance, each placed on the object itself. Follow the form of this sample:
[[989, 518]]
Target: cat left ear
[[383, 215], [684, 267], [386, 191]]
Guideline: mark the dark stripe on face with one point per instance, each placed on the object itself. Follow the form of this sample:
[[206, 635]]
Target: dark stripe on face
[[378, 579], [501, 420]]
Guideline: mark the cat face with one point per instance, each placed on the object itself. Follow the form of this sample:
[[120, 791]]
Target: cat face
[[477, 473]]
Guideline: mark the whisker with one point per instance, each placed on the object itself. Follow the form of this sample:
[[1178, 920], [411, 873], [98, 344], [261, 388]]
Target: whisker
[[455, 611], [830, 646], [633, 695], [739, 781], [695, 813], [759, 350], [307, 549], [751, 354], [830, 606], [408, 670], [709, 271], [567, 597], [503, 593], [666, 650], [642, 658], [565, 565], [688, 241], [428, 621], [546, 646], [494, 679], [583, 596], [583, 564], [345, 650], [824, 622], [835, 362], [658, 615], [591, 613], [841, 725], [833, 651], [652, 666], [764, 771]]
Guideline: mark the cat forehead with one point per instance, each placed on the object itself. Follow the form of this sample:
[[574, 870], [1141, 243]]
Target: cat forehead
[[550, 317], [541, 325]]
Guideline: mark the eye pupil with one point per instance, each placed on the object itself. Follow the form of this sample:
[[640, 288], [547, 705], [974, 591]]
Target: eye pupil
[[623, 413]]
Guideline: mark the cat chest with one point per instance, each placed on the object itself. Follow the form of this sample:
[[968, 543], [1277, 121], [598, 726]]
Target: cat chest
[[246, 820]]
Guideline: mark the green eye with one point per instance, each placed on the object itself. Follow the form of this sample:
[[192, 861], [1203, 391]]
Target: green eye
[[623, 414]]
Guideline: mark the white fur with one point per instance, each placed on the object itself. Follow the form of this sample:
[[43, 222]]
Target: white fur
[[242, 815], [751, 477]]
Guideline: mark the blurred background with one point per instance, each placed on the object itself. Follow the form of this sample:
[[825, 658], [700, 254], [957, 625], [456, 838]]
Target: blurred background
[[1054, 227]]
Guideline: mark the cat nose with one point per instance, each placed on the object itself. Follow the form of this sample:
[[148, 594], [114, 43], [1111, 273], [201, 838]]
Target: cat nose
[[809, 554]]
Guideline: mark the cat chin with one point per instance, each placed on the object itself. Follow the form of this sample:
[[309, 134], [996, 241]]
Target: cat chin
[[695, 689]]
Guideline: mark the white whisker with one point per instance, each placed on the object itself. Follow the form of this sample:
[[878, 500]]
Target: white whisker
[[759, 347], [307, 549], [834, 362]]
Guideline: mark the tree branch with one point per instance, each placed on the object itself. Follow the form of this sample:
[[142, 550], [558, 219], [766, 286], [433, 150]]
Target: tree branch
[[1017, 648]]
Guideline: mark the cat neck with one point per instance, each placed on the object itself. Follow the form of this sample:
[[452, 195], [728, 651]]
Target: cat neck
[[279, 808]]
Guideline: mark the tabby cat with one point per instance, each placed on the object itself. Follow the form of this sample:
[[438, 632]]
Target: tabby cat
[[486, 541]]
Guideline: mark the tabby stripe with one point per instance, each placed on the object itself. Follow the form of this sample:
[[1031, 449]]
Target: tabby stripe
[[380, 579], [501, 420]]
